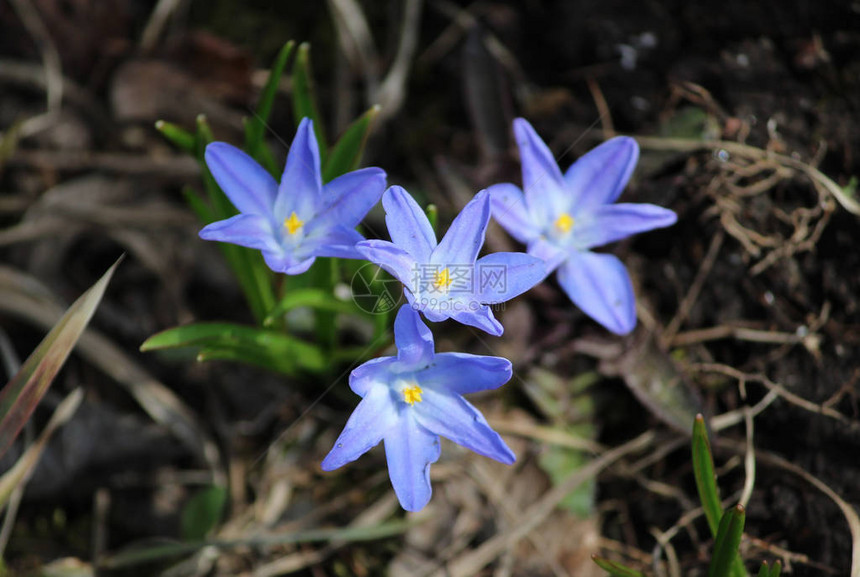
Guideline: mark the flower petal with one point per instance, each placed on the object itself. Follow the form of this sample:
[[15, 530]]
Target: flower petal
[[337, 241], [503, 275], [617, 221], [363, 377], [508, 208], [545, 194], [407, 224], [600, 286], [478, 316], [462, 373], [599, 176], [414, 340], [410, 450], [549, 253], [285, 262], [465, 236], [248, 185], [374, 416], [454, 418], [348, 198], [300, 190], [250, 230], [393, 259]]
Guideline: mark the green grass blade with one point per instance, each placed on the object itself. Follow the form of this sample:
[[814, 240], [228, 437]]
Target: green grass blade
[[20, 396], [180, 137], [255, 129], [726, 543], [706, 478], [346, 153], [770, 570], [304, 98], [616, 569]]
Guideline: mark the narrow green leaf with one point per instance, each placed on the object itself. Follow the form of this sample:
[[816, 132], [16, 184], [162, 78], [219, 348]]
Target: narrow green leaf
[[19, 397], [255, 129], [726, 543], [616, 569], [202, 512], [304, 98], [226, 341], [310, 297], [706, 479], [202, 210], [138, 556], [180, 137], [346, 153]]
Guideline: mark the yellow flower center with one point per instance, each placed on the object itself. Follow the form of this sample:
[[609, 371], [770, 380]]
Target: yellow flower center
[[442, 280], [293, 224], [564, 223], [412, 394]]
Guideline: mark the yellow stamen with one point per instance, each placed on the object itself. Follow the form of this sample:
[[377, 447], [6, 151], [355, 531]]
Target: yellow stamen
[[412, 394], [442, 280], [564, 223], [293, 224]]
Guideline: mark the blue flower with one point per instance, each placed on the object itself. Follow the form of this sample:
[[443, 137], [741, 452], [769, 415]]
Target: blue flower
[[408, 401], [448, 280], [298, 220], [561, 217]]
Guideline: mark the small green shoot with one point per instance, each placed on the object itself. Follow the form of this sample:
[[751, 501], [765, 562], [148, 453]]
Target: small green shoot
[[727, 541], [770, 570]]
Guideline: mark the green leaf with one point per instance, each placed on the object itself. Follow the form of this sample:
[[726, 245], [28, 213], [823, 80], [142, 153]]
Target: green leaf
[[770, 570], [255, 129], [20, 396], [180, 137], [202, 512], [313, 298], [346, 153], [198, 205], [726, 544], [616, 569], [304, 98], [706, 479], [226, 341]]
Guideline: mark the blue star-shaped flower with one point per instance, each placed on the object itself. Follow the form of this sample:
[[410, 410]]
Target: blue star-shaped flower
[[561, 217], [298, 220], [448, 280], [409, 400]]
